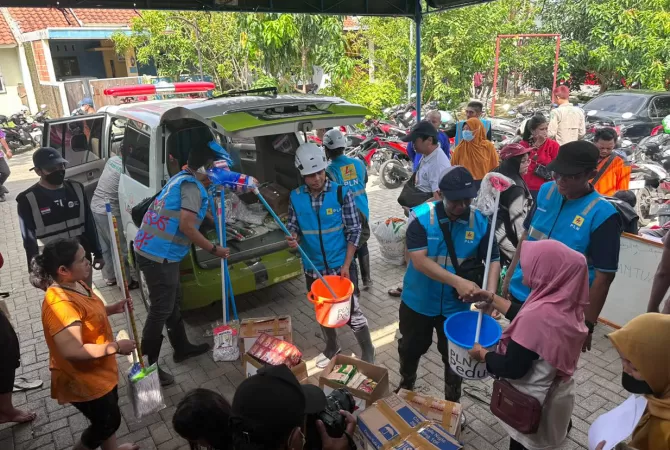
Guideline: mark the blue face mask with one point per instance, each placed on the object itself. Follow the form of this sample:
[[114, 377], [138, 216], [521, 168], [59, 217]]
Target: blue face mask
[[468, 135]]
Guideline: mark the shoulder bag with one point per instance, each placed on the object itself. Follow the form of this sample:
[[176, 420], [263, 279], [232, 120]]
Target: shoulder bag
[[472, 268], [138, 211], [520, 411], [411, 196], [541, 170]]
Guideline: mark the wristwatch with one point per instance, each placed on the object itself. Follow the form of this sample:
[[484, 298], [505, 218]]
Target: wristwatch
[[214, 247]]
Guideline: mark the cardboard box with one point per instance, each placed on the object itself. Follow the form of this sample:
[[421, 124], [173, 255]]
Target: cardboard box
[[446, 413], [251, 366], [363, 399], [279, 327], [391, 423]]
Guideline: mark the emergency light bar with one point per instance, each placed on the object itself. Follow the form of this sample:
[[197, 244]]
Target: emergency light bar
[[163, 88]]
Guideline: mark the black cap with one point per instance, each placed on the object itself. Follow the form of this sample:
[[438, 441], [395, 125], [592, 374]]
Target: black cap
[[457, 184], [273, 402], [574, 158], [47, 157], [421, 129]]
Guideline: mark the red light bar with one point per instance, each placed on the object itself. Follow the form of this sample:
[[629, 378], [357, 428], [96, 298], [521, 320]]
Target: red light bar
[[150, 89]]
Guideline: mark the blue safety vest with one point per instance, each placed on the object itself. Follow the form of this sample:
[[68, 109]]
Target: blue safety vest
[[459, 129], [425, 295], [323, 237], [568, 221], [350, 172], [159, 237]]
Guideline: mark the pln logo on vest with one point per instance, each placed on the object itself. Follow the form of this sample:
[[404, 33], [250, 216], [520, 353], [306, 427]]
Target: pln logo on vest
[[469, 236], [331, 211], [577, 222], [348, 172]]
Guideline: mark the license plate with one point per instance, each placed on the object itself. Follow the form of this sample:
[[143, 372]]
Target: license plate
[[637, 184]]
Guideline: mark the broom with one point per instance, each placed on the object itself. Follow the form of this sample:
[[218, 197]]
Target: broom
[[144, 383]]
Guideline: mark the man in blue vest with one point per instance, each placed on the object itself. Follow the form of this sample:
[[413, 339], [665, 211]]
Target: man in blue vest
[[474, 109], [433, 288], [323, 216], [351, 172], [170, 226], [569, 210]]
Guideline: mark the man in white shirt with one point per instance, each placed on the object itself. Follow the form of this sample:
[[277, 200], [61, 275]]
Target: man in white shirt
[[566, 123], [434, 161]]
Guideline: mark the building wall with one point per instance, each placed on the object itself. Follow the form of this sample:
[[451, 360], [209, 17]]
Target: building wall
[[10, 68], [91, 63], [39, 58], [44, 94]]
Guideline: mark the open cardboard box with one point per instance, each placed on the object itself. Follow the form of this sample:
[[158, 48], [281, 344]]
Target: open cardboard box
[[444, 412], [363, 399], [251, 366], [250, 329]]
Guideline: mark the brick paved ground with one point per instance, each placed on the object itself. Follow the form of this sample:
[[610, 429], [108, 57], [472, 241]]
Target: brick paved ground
[[58, 426]]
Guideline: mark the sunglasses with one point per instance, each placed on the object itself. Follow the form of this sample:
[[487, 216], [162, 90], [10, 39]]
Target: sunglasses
[[558, 176]]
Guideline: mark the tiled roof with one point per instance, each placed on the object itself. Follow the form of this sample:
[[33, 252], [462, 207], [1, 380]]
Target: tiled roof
[[6, 36], [33, 19], [104, 16], [351, 23]]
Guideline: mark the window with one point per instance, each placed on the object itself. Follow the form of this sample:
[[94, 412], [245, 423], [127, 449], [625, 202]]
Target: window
[[135, 142], [660, 107], [66, 67], [78, 141], [617, 103]]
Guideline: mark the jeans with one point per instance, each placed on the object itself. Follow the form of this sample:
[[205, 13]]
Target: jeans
[[416, 338], [164, 295], [105, 236], [357, 320], [104, 415]]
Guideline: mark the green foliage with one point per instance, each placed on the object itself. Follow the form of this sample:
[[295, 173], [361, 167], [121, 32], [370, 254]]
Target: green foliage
[[375, 95]]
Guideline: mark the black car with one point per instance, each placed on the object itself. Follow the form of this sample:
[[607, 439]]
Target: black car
[[636, 110]]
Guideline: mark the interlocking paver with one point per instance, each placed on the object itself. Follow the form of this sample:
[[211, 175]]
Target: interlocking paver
[[58, 426]]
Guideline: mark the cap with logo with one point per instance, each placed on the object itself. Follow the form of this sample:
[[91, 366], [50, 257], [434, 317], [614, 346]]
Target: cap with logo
[[46, 158], [421, 130], [457, 184], [574, 158]]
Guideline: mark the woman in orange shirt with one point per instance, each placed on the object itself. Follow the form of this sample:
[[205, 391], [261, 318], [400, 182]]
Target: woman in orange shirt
[[80, 340]]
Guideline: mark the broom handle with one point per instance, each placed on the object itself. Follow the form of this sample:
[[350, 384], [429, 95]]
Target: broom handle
[[222, 243], [288, 233], [126, 293], [488, 263]]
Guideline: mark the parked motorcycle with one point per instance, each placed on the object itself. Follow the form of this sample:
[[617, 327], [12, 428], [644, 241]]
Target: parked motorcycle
[[17, 137], [650, 181]]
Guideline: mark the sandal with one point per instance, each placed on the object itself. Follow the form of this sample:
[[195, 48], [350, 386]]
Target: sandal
[[322, 360], [22, 384], [133, 285], [397, 292], [110, 282]]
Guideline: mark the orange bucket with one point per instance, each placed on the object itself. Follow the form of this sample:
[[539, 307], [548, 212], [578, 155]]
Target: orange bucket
[[332, 312]]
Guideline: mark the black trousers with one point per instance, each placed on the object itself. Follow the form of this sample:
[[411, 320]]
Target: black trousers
[[104, 415], [164, 295], [4, 171], [416, 338]]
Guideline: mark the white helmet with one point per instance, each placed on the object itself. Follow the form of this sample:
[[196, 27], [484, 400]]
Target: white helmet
[[310, 158], [334, 139]]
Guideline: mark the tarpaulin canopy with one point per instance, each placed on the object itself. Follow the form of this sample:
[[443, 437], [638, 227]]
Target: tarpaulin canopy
[[406, 8]]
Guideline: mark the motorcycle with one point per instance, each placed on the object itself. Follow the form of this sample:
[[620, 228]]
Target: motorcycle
[[650, 163], [17, 137]]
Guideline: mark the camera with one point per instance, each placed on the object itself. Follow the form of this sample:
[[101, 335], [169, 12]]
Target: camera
[[338, 400]]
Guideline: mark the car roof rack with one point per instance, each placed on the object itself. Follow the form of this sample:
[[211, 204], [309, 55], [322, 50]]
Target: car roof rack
[[272, 91]]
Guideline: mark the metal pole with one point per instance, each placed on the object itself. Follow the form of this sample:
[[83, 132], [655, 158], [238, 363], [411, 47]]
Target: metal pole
[[495, 78], [197, 46], [558, 48], [409, 67], [417, 20]]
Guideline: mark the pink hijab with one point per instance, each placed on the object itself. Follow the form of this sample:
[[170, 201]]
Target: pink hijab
[[551, 321]]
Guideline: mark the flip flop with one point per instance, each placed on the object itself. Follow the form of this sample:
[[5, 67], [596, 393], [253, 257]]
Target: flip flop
[[397, 292], [110, 282], [22, 384]]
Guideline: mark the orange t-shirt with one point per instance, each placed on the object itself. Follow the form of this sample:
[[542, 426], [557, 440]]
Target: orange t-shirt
[[615, 178], [78, 381]]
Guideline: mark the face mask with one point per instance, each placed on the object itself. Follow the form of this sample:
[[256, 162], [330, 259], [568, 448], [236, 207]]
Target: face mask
[[634, 386], [468, 135], [56, 178]]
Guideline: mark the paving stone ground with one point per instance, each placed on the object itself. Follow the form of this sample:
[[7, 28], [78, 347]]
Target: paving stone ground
[[59, 426]]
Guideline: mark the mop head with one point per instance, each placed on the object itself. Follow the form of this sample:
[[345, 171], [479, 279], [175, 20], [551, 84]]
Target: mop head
[[492, 183], [226, 346], [144, 388]]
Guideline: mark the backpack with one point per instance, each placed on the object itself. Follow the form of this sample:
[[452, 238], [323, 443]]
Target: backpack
[[627, 214]]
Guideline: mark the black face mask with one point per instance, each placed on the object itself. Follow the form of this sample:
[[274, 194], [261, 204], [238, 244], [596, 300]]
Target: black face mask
[[634, 386], [56, 178]]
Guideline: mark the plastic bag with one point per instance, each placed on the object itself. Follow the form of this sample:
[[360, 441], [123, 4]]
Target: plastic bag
[[390, 234], [237, 210], [492, 183], [225, 344]]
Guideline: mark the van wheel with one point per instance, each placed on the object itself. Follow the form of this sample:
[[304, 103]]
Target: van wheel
[[144, 290]]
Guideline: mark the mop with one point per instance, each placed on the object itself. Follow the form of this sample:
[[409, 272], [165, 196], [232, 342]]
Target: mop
[[487, 203], [143, 382]]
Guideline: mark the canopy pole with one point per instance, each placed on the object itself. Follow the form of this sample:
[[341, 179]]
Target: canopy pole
[[417, 19], [495, 78], [409, 65]]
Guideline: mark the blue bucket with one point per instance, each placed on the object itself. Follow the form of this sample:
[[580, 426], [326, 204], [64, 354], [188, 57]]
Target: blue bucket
[[460, 329]]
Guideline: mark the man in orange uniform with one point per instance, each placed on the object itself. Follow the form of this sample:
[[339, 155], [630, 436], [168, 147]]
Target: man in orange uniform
[[613, 171]]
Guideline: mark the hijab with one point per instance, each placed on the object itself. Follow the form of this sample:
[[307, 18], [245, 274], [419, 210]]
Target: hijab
[[644, 342], [551, 321], [479, 155]]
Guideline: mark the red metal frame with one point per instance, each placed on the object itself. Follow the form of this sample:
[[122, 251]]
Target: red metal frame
[[516, 36]]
